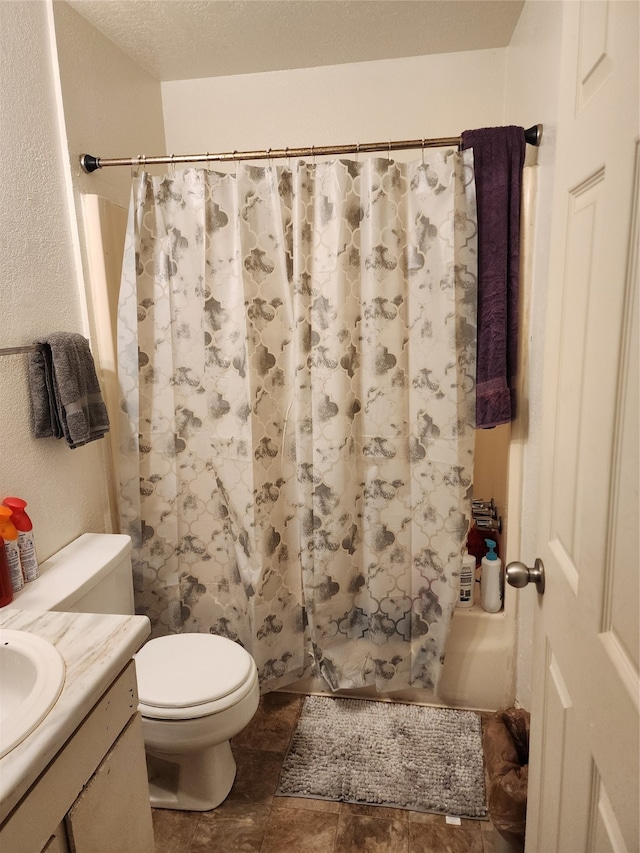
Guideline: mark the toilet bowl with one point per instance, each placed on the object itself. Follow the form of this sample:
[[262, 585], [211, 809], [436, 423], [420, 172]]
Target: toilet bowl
[[196, 691]]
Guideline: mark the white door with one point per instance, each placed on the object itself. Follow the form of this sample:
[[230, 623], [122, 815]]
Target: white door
[[584, 773]]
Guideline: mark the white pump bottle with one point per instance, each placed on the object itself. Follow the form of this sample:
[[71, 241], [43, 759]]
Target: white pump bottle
[[491, 580]]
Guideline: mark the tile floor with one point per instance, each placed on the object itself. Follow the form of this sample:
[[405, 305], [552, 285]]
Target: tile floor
[[253, 820]]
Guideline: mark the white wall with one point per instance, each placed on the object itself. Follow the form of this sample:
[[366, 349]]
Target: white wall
[[428, 96], [42, 282], [40, 290], [112, 107], [531, 96]]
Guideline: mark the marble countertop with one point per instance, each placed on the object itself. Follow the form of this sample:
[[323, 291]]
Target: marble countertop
[[95, 648]]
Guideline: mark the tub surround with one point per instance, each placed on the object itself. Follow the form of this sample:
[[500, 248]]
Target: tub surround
[[95, 648], [477, 674]]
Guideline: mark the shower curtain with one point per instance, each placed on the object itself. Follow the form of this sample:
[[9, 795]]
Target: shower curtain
[[297, 364]]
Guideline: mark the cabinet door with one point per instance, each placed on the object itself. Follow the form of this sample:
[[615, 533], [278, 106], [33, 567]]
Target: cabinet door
[[113, 811]]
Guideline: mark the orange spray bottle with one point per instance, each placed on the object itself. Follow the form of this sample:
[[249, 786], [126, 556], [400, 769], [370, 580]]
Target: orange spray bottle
[[26, 545]]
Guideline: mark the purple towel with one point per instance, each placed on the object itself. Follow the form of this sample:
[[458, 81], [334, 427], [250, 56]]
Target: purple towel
[[498, 154]]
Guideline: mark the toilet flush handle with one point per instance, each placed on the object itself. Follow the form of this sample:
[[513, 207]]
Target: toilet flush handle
[[519, 575]]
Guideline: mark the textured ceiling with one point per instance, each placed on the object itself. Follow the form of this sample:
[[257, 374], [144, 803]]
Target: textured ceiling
[[184, 39]]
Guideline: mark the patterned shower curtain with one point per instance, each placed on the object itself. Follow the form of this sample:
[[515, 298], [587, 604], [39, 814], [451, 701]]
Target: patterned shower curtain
[[297, 364]]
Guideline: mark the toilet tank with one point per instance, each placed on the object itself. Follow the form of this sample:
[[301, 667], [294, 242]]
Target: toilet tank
[[90, 575]]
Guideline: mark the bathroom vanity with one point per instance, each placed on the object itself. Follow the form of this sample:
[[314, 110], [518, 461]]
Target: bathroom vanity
[[78, 781]]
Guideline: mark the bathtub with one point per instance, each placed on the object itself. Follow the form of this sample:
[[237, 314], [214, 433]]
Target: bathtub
[[478, 672]]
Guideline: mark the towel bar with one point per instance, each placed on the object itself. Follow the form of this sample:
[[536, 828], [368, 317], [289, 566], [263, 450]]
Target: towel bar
[[17, 350]]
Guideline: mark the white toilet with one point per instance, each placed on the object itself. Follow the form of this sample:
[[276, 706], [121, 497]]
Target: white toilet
[[196, 691]]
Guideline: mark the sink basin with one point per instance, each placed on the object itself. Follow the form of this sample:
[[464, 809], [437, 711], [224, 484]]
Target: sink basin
[[32, 673]]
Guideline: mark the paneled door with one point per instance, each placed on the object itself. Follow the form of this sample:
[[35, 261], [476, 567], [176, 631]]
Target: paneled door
[[584, 773]]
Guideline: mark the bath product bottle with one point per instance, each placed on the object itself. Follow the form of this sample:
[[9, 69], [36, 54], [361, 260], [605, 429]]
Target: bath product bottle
[[467, 580], [491, 589], [10, 536], [26, 545], [6, 590]]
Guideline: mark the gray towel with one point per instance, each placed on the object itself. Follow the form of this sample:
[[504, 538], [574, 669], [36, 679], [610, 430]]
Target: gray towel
[[65, 394]]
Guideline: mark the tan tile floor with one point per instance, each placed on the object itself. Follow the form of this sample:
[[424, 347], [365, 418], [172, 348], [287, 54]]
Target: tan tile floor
[[253, 820]]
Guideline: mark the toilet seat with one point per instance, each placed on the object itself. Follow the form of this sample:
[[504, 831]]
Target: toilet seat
[[185, 676]]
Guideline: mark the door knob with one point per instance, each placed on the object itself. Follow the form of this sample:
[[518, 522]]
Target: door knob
[[519, 575]]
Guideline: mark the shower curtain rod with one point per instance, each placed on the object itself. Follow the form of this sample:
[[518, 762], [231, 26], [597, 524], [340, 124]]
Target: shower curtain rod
[[90, 163]]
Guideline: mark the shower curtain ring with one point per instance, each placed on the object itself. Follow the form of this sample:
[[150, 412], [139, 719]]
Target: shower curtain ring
[[423, 151], [135, 167], [286, 154], [389, 154], [357, 151], [172, 168]]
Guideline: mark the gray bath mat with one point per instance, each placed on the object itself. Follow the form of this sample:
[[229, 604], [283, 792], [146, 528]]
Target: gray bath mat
[[386, 754]]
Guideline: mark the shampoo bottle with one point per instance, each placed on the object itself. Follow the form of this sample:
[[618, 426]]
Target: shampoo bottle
[[26, 545], [10, 536], [491, 583], [467, 580]]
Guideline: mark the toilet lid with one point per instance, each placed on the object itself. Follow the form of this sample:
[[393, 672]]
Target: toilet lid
[[182, 670]]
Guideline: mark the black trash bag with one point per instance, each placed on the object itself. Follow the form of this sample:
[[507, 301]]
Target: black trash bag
[[505, 743]]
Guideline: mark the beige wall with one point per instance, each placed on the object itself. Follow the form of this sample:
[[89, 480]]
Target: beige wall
[[112, 107], [40, 292], [426, 96], [42, 282]]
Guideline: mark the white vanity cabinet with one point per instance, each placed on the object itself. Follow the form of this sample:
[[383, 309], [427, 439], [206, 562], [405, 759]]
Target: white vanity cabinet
[[93, 797]]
